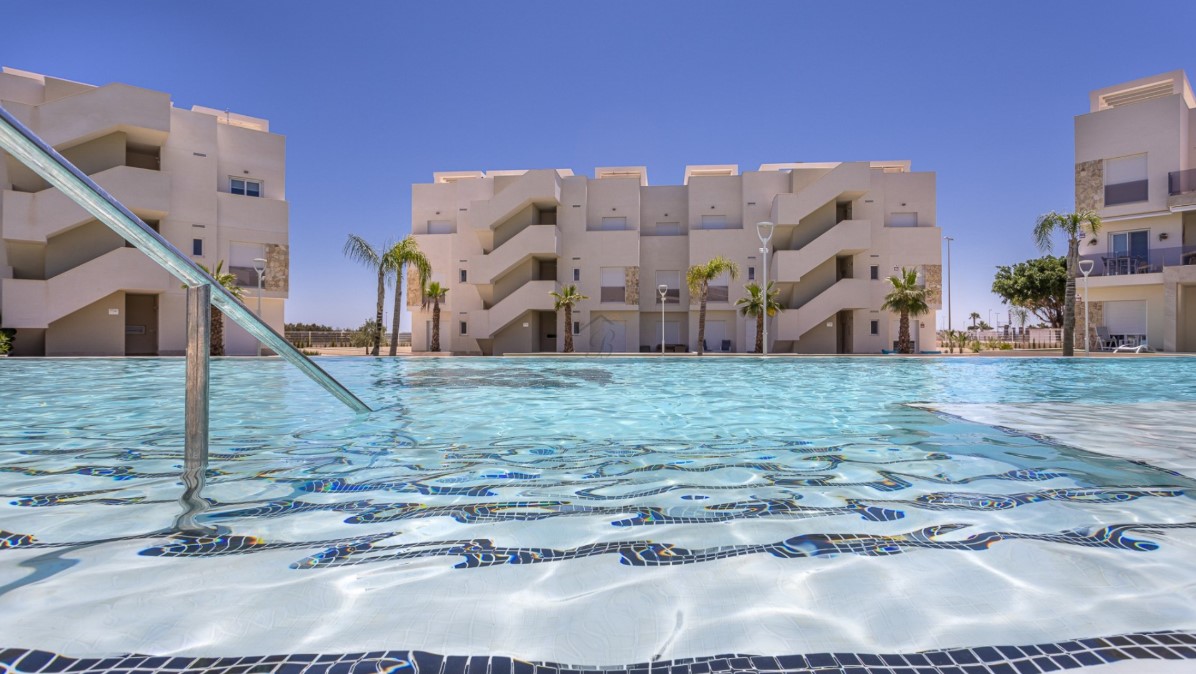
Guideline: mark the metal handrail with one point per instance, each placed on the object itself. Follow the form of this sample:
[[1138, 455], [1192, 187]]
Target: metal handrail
[[27, 148]]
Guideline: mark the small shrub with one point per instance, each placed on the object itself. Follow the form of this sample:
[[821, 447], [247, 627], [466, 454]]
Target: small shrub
[[975, 346], [1006, 346], [5, 343]]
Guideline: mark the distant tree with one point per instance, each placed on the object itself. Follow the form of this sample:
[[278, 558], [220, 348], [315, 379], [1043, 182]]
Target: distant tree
[[308, 327], [1071, 225], [434, 292], [565, 299], [908, 299], [367, 335], [755, 304], [1039, 285], [985, 326], [698, 278], [975, 320]]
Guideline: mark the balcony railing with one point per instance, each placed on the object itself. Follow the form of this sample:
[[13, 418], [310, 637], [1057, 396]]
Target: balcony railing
[[1181, 182], [613, 294], [672, 296], [717, 294], [1112, 264], [1126, 193]]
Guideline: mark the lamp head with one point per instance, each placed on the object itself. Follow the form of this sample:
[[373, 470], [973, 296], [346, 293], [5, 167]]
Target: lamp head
[[259, 264], [1086, 267], [662, 289], [764, 230]]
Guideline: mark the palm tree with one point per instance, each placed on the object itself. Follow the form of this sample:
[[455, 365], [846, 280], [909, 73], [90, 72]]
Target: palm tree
[[698, 278], [907, 298], [565, 298], [396, 259], [434, 292], [754, 305], [1072, 226], [229, 281], [359, 250], [1021, 315], [975, 316]]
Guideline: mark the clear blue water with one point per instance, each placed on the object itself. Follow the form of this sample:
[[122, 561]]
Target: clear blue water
[[803, 502]]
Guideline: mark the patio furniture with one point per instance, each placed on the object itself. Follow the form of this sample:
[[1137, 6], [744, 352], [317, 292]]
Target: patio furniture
[[726, 345], [1104, 341]]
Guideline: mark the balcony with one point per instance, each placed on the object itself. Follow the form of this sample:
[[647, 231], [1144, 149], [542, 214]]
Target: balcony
[[257, 213], [613, 294], [1181, 189], [1152, 262], [1126, 193]]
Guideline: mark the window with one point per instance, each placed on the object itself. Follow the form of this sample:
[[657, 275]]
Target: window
[[1128, 253], [874, 327], [197, 247], [714, 222], [1125, 180], [613, 224], [717, 291], [441, 227], [874, 272], [672, 279], [464, 328], [903, 219], [246, 187], [614, 288], [751, 273], [577, 327], [464, 275], [576, 274], [241, 260]]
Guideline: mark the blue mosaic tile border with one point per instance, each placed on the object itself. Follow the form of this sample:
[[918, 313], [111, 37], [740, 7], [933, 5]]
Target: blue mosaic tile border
[[1034, 659]]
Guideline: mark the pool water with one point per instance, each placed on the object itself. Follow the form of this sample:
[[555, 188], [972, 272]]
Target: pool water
[[596, 512]]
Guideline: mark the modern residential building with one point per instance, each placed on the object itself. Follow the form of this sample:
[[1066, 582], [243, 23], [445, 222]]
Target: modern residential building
[[501, 241], [1136, 168], [210, 181]]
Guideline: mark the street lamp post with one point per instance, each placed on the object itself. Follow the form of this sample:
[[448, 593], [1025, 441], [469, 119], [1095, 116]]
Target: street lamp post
[[764, 231], [259, 266], [663, 290], [1086, 269], [948, 240]]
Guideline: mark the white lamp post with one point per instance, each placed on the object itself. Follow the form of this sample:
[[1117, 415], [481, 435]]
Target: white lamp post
[[948, 240], [663, 290], [259, 266], [1086, 269], [764, 231]]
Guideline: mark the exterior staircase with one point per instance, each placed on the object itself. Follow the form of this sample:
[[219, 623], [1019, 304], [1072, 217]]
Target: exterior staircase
[[847, 293], [848, 180], [846, 238], [38, 216], [531, 296]]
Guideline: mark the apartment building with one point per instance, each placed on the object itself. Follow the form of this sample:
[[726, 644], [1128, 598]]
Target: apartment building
[[1136, 167], [210, 181], [501, 241]]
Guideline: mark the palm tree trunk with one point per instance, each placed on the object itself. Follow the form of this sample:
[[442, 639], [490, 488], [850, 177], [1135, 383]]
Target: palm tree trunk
[[568, 329], [1069, 305], [394, 328], [377, 345], [760, 332], [216, 348], [702, 317], [435, 323], [903, 343]]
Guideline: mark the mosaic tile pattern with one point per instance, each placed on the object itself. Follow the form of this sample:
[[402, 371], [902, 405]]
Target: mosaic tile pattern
[[1027, 659]]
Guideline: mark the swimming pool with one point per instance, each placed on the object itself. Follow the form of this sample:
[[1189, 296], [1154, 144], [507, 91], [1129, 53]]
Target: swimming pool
[[629, 514]]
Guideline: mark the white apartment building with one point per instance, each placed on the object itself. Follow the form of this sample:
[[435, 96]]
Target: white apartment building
[[501, 241], [1136, 168], [210, 181]]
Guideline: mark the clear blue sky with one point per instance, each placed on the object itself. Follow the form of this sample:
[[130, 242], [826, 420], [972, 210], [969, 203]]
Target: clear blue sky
[[374, 96]]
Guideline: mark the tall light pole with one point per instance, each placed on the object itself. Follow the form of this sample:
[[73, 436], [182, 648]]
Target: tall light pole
[[948, 240], [764, 231], [259, 266], [663, 290], [1086, 269]]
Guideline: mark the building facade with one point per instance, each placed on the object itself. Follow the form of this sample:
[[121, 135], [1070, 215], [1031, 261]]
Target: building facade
[[210, 181], [1135, 166], [501, 241]]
